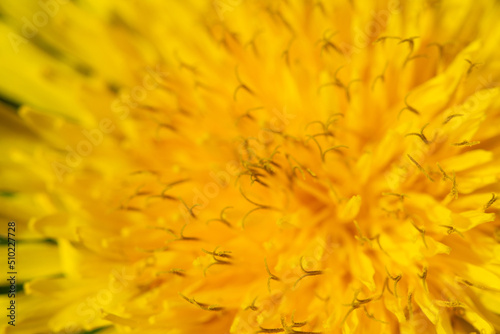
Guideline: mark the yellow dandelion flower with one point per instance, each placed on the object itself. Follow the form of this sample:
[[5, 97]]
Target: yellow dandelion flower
[[236, 166]]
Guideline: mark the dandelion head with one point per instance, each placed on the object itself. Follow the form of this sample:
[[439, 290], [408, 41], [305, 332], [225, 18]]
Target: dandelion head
[[236, 166]]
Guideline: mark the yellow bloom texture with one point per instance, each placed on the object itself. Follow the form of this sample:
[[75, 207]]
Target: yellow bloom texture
[[241, 166]]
